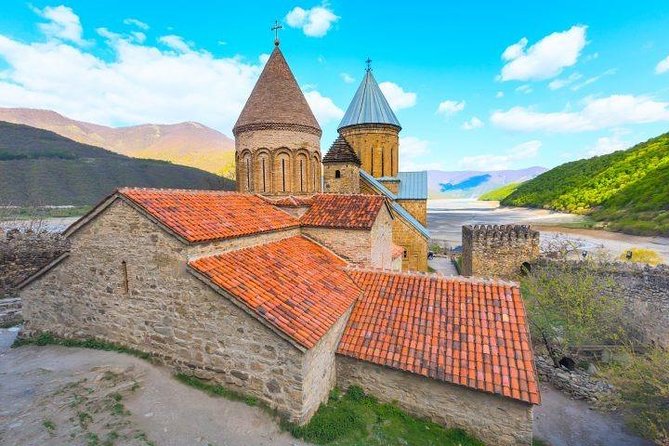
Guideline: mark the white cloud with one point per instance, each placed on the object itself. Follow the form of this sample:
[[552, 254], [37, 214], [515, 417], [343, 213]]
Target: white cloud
[[449, 107], [396, 96], [133, 84], [135, 22], [600, 113], [525, 88], [544, 59], [523, 151], [177, 43], [263, 58], [63, 24], [556, 84], [347, 78], [315, 22], [593, 79], [140, 37], [500, 94], [472, 124], [608, 144], [412, 155], [323, 107], [662, 66]]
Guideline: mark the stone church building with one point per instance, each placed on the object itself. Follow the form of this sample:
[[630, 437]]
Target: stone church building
[[281, 291]]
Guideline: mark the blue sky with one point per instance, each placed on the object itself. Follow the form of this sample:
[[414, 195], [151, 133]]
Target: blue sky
[[487, 85]]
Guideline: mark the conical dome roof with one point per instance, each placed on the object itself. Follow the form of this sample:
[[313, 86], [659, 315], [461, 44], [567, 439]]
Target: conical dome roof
[[276, 100], [341, 152], [369, 106]]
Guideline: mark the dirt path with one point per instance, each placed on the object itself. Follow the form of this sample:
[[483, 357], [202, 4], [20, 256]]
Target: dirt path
[[560, 421], [443, 265], [58, 395]]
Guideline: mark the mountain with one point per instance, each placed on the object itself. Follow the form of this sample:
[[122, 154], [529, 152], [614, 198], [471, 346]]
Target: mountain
[[627, 190], [39, 167], [187, 143], [471, 184], [500, 193]]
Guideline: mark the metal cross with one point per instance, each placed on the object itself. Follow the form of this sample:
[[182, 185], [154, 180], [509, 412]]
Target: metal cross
[[369, 64], [277, 26]]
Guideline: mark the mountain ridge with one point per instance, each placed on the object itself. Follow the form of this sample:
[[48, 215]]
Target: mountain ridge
[[473, 183]]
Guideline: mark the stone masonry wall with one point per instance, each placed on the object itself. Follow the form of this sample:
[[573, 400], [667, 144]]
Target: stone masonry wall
[[382, 240], [354, 245], [377, 146], [10, 312], [417, 208], [348, 181], [161, 308], [498, 251], [24, 253], [412, 241], [495, 420], [645, 291]]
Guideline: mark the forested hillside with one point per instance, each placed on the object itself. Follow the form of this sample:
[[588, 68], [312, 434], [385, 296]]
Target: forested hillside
[[627, 190], [39, 167]]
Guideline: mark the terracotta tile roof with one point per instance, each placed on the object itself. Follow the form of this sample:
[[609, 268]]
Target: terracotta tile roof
[[397, 251], [200, 216], [341, 152], [277, 99], [454, 330], [296, 285], [290, 201], [343, 211]]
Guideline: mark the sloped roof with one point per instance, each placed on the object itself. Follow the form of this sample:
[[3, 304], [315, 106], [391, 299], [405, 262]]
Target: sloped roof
[[376, 185], [200, 216], [341, 152], [290, 201], [343, 211], [369, 106], [456, 330], [413, 186], [295, 285], [277, 99]]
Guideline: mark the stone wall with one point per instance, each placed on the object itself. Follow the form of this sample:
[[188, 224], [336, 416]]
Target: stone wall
[[417, 208], [382, 240], [354, 245], [377, 146], [126, 281], [645, 291], [24, 253], [495, 420], [348, 181], [413, 242], [10, 312], [498, 250]]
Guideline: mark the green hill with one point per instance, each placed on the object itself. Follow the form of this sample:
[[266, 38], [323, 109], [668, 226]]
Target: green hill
[[627, 190], [500, 193], [39, 167]]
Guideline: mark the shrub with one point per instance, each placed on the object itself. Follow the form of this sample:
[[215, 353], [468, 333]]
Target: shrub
[[641, 255]]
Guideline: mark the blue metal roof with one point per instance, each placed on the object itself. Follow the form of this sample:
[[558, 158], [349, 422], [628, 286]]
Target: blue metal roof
[[413, 185], [393, 204], [369, 106]]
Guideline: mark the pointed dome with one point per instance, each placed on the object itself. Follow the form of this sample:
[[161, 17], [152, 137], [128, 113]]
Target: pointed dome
[[277, 100], [341, 152], [369, 106]]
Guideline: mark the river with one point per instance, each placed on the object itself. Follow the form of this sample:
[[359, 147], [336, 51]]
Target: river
[[446, 217]]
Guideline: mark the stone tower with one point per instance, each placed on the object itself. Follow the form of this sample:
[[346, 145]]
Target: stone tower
[[372, 129], [341, 169], [500, 251], [277, 137]]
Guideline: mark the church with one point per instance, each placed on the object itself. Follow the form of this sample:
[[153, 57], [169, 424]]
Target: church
[[293, 285], [277, 141]]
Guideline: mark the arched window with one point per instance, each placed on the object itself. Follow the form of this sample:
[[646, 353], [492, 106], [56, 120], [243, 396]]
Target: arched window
[[282, 182], [337, 174], [263, 177], [301, 178]]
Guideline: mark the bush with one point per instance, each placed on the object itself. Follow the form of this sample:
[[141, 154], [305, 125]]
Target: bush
[[641, 255]]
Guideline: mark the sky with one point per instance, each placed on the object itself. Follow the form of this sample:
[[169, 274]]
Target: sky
[[484, 85]]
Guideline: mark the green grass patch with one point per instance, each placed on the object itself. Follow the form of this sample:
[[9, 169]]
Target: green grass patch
[[49, 339], [500, 193], [217, 390], [355, 418], [49, 425]]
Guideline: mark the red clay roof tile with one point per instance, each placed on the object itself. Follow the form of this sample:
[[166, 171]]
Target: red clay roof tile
[[450, 329], [296, 285], [199, 216], [343, 211]]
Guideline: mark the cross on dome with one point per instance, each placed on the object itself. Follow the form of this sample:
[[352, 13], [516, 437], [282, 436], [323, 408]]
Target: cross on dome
[[277, 26]]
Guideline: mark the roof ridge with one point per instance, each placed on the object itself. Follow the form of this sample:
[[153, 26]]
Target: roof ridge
[[435, 275]]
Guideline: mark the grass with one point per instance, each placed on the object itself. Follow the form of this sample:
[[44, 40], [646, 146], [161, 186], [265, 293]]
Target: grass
[[49, 339], [500, 193], [217, 390], [49, 425], [642, 255]]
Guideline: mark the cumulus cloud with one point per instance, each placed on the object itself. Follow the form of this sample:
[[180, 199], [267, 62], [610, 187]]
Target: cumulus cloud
[[133, 84], [62, 24], [608, 144], [523, 151], [413, 152], [177, 43], [396, 96], [597, 113], [314, 22], [323, 107], [347, 78], [546, 58], [662, 66], [472, 124], [449, 107], [135, 22]]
